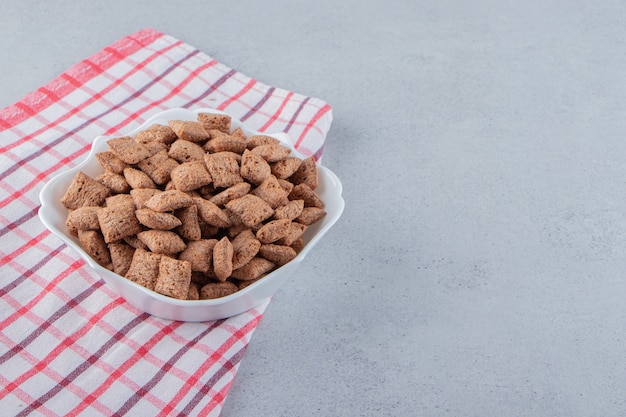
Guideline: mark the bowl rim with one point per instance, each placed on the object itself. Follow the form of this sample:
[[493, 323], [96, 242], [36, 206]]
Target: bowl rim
[[47, 208]]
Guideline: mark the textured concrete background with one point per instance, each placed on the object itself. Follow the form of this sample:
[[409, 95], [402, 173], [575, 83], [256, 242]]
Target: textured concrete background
[[478, 269]]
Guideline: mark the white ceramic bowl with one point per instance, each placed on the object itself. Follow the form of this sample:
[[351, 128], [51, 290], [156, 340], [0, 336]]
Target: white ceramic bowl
[[53, 215]]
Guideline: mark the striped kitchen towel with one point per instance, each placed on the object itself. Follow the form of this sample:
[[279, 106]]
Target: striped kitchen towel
[[68, 344]]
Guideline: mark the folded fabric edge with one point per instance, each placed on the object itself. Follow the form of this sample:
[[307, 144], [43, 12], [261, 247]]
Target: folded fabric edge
[[76, 75]]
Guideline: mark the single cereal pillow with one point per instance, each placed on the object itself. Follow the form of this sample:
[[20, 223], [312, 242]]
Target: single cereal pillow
[[223, 259], [211, 213], [168, 201], [84, 191], [199, 254], [128, 150], [285, 168], [83, 218], [250, 209], [157, 220], [271, 192], [186, 151], [162, 241], [117, 222], [121, 256], [224, 169], [156, 133], [217, 290], [115, 182], [236, 191], [245, 247], [190, 176], [254, 168], [189, 130], [158, 167], [144, 268], [138, 179], [225, 143], [210, 121], [95, 246], [111, 163], [174, 278], [306, 173], [190, 223]]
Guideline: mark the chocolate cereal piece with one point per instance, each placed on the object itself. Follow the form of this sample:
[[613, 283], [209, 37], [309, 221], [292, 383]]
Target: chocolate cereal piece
[[156, 220], [254, 269], [199, 254], [185, 151], [174, 278], [250, 209], [190, 176], [304, 192], [83, 218], [258, 140], [158, 167], [298, 244], [210, 213], [273, 230], [156, 133], [285, 168], [217, 290], [236, 191], [194, 292], [224, 169], [296, 230], [239, 133], [216, 133], [138, 179], [271, 192], [245, 247], [128, 150], [279, 254], [190, 225], [310, 215], [115, 182], [120, 200], [142, 195], [144, 268], [211, 121], [168, 201], [84, 191], [223, 259], [290, 210], [306, 173], [162, 241], [287, 186], [111, 163], [225, 143], [118, 222], [154, 148], [121, 257], [189, 130], [272, 153], [93, 243], [254, 168]]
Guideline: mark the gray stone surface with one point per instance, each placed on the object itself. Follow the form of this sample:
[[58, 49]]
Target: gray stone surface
[[478, 269]]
